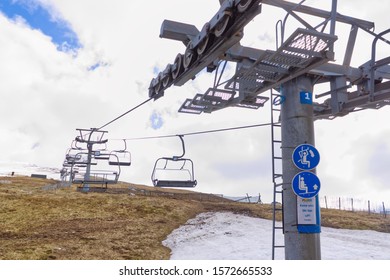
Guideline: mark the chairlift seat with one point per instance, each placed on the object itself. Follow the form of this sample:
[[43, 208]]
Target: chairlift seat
[[174, 184], [120, 163], [102, 157]]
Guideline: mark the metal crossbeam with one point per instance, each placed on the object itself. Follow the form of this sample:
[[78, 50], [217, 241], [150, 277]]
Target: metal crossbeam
[[302, 51], [356, 101], [298, 54]]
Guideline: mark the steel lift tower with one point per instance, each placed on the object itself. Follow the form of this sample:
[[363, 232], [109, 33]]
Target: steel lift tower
[[300, 61], [90, 137]]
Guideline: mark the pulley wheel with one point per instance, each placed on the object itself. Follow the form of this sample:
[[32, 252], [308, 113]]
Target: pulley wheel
[[243, 5], [167, 76], [222, 25], [177, 66], [204, 45], [166, 80], [189, 57], [158, 86], [151, 87]]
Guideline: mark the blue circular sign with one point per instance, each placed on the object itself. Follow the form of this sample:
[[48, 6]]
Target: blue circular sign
[[306, 157], [306, 184]]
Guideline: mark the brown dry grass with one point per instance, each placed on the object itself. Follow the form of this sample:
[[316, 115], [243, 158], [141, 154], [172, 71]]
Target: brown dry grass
[[65, 224]]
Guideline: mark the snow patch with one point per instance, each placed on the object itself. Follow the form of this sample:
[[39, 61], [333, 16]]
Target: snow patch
[[228, 236]]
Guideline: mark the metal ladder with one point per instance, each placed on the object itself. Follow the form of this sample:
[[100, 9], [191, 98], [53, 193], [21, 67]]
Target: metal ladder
[[277, 176]]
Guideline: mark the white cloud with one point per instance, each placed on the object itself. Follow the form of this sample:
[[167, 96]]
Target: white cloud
[[48, 94]]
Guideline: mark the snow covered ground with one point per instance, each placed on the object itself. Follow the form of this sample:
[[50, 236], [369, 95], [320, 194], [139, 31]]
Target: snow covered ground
[[228, 236], [26, 169]]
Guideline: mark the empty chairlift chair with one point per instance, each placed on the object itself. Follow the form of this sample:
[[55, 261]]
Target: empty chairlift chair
[[120, 157], [174, 172], [101, 153]]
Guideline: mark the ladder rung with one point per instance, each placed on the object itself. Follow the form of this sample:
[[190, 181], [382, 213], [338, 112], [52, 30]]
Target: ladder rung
[[278, 227], [278, 246], [277, 124], [278, 158], [277, 141]]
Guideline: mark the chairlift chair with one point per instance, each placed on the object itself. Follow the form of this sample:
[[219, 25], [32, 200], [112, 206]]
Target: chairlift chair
[[101, 153], [96, 177], [79, 170], [120, 157], [174, 172]]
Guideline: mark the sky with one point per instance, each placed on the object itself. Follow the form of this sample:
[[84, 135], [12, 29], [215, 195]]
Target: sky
[[79, 64]]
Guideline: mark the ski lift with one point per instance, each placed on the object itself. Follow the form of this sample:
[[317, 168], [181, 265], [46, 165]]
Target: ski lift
[[177, 167], [120, 157]]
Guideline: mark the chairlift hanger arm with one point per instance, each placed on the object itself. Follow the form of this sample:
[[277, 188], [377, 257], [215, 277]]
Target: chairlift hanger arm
[[124, 140], [184, 149]]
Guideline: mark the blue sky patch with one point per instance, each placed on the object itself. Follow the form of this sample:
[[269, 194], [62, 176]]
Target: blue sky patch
[[37, 16], [156, 120], [97, 65], [156, 70]]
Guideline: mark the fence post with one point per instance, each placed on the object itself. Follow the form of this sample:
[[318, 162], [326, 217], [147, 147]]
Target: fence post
[[369, 209], [326, 203], [259, 200], [249, 199], [339, 203], [384, 209], [352, 204]]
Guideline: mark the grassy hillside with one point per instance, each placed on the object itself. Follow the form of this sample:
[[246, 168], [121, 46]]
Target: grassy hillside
[[126, 222]]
